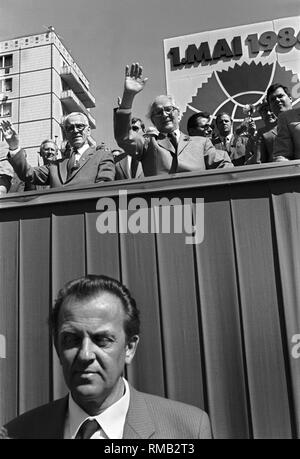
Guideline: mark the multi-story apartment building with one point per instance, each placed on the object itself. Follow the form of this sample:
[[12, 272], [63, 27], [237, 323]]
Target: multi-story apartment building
[[39, 83]]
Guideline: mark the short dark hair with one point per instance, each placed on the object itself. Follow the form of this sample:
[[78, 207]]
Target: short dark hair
[[89, 287], [191, 124], [222, 114], [274, 87], [136, 120]]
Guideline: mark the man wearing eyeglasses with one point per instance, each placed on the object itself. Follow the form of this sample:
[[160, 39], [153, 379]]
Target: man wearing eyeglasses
[[83, 165], [170, 151]]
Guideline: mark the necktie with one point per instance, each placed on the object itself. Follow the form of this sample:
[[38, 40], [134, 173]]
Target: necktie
[[173, 139], [87, 429], [174, 165], [133, 167], [71, 163]]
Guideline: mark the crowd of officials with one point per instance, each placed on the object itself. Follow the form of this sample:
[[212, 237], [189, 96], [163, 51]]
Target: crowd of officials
[[95, 321], [160, 149]]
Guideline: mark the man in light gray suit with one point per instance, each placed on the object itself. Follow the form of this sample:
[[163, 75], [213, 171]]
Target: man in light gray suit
[[170, 151], [95, 325], [84, 166]]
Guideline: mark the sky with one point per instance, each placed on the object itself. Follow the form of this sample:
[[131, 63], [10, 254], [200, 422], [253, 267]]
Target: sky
[[104, 35]]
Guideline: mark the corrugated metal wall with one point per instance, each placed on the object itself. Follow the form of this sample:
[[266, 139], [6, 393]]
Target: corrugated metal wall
[[217, 318]]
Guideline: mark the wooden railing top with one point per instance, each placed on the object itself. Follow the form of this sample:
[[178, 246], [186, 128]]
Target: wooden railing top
[[212, 178]]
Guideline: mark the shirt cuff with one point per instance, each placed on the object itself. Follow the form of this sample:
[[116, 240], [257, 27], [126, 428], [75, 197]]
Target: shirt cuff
[[124, 110], [12, 153]]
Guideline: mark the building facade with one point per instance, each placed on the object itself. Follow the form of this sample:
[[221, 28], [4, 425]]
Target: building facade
[[39, 83]]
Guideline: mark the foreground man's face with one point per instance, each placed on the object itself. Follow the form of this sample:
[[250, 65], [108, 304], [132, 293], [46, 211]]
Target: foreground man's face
[[93, 350]]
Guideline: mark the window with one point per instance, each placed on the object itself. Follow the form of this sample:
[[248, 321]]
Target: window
[[6, 61], [6, 85], [5, 110]]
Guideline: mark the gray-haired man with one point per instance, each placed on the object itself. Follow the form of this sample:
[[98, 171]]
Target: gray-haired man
[[84, 165], [170, 151]]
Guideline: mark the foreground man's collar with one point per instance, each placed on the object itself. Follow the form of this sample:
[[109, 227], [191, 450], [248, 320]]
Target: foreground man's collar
[[111, 420]]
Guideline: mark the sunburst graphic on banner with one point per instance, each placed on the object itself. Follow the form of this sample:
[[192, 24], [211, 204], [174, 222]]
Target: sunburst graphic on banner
[[231, 90]]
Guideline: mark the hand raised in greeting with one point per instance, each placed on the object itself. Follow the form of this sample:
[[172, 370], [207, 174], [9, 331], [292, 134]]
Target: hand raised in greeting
[[134, 81], [10, 135]]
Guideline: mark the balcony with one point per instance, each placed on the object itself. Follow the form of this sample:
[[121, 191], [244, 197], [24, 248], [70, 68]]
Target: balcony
[[73, 104], [78, 86]]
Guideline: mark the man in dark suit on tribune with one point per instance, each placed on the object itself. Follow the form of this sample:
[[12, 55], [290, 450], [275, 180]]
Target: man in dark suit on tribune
[[170, 151], [95, 325], [84, 166], [127, 167], [280, 101], [287, 143]]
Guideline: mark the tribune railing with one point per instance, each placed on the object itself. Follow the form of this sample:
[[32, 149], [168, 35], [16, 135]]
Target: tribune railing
[[213, 260]]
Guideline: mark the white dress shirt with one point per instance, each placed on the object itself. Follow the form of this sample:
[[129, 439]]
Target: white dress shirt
[[112, 420], [177, 133], [227, 140], [79, 152]]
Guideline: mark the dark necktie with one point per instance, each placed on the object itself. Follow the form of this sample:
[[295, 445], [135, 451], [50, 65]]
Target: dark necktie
[[87, 429], [133, 167], [71, 163], [174, 165]]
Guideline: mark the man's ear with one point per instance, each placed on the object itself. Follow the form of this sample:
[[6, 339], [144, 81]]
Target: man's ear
[[131, 347]]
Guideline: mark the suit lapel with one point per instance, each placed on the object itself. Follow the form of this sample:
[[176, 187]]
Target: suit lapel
[[165, 143], [124, 165], [57, 421], [52, 424], [85, 157], [184, 140], [138, 423], [139, 172], [62, 169]]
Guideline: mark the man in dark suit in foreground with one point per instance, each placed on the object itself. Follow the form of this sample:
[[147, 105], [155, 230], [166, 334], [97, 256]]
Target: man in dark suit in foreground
[[170, 151], [84, 166], [95, 324]]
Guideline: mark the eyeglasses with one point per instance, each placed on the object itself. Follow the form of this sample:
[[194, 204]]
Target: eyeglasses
[[79, 127], [167, 110]]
